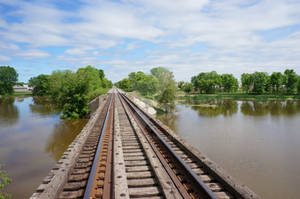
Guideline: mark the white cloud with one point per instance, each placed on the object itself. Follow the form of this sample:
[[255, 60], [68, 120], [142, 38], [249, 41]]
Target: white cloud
[[175, 6], [8, 46], [4, 59], [211, 35], [76, 51], [33, 54]]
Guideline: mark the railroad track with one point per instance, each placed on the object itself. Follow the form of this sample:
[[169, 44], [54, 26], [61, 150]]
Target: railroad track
[[133, 156], [86, 179]]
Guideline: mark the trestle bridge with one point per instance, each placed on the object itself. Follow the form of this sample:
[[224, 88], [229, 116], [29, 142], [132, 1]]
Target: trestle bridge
[[124, 152]]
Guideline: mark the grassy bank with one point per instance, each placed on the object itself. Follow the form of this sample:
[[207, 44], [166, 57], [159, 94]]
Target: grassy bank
[[17, 94], [242, 96]]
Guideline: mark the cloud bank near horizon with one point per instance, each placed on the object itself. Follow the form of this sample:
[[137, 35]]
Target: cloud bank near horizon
[[185, 36]]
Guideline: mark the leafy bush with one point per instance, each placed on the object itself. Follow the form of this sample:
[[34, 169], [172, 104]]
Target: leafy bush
[[72, 91], [8, 78], [4, 180], [97, 92], [40, 85]]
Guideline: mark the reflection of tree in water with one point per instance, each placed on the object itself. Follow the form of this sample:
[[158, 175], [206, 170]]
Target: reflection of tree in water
[[168, 119], [9, 113], [274, 108], [254, 108], [42, 106], [292, 108], [213, 108], [63, 135]]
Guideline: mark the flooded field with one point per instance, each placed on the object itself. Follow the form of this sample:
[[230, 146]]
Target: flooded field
[[256, 142], [32, 139]]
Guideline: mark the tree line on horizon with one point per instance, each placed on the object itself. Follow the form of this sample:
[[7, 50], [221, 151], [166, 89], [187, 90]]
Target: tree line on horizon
[[251, 83]]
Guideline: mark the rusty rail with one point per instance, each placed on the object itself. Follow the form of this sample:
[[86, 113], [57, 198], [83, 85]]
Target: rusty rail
[[96, 171]]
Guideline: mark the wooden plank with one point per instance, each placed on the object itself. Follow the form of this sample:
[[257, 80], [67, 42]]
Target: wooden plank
[[141, 174], [120, 183], [144, 182], [168, 187], [135, 163], [133, 154], [127, 158], [144, 192], [137, 168]]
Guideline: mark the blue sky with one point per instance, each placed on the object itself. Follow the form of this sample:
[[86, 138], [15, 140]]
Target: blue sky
[[121, 36]]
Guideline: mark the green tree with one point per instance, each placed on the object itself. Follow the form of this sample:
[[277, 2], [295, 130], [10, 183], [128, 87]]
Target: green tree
[[276, 81], [167, 97], [72, 91], [298, 86], [40, 84], [290, 81], [260, 80], [91, 75], [247, 82], [74, 96], [166, 85], [4, 180], [20, 83], [180, 84], [101, 74], [124, 84], [139, 81], [164, 77], [194, 81], [147, 85], [207, 82], [56, 83], [268, 86], [135, 78], [207, 86], [8, 78], [105, 82], [187, 87], [229, 82]]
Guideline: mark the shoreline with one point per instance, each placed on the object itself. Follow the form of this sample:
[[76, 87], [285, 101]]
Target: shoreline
[[240, 96]]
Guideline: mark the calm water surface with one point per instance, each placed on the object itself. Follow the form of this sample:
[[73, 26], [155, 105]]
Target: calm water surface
[[32, 139], [258, 143]]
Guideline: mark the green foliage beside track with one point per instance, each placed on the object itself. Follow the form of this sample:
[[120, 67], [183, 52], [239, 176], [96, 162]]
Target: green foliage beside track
[[4, 180], [139, 81], [160, 85], [72, 91]]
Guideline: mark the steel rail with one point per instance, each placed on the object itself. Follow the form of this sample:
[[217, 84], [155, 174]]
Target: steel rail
[[206, 190], [89, 185], [182, 190]]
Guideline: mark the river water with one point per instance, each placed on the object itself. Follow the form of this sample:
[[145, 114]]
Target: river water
[[32, 139], [258, 143]]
